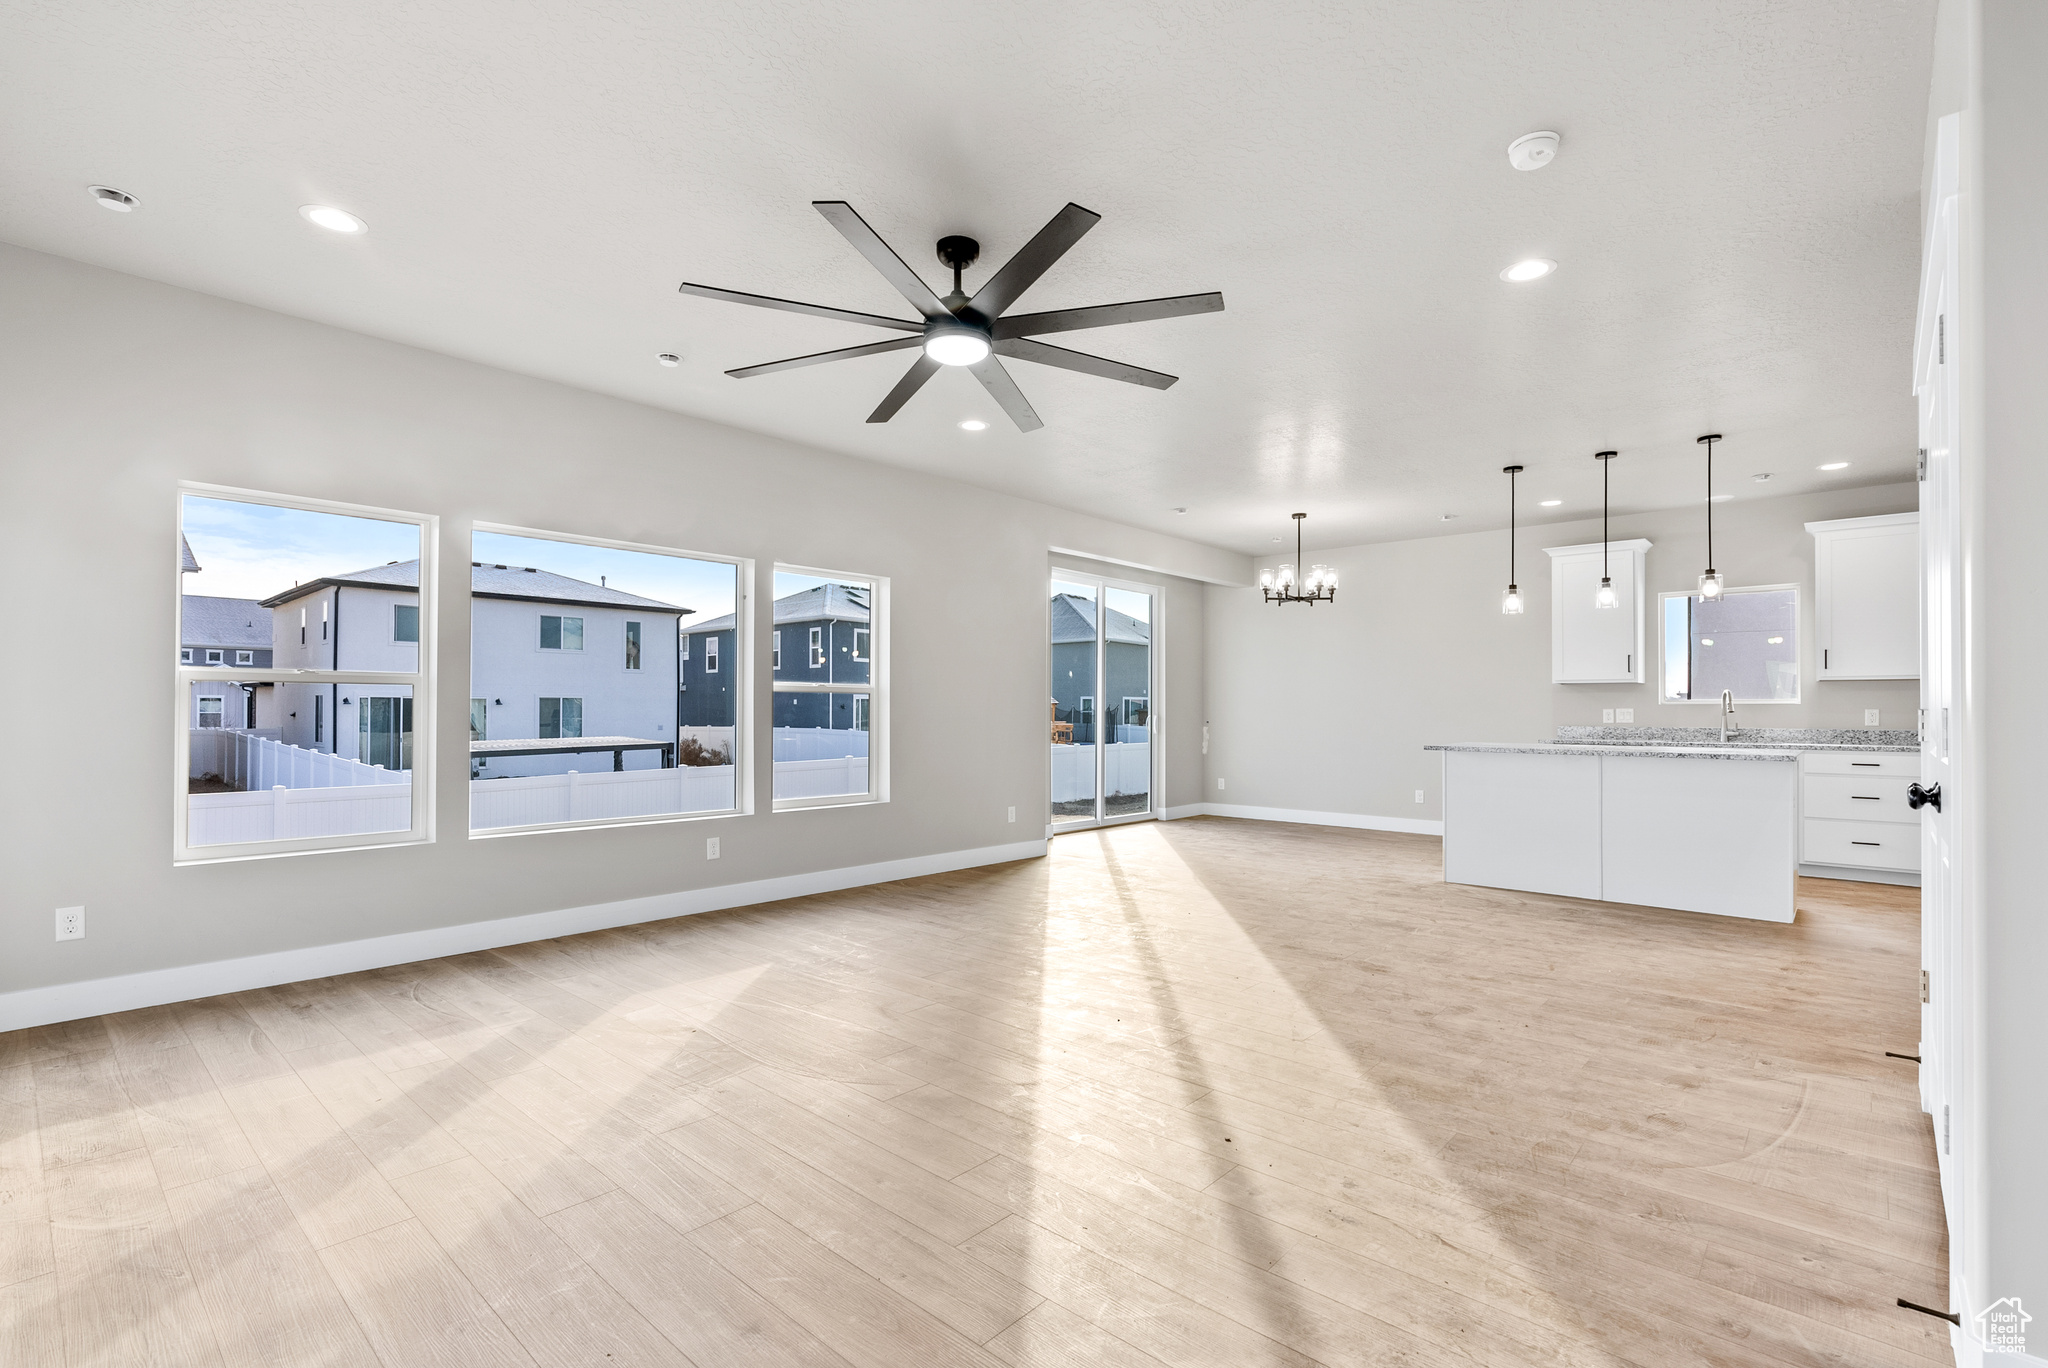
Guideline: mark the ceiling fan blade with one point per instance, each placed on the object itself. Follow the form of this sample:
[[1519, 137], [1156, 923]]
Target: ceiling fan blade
[[1004, 391], [819, 358], [882, 257], [921, 370], [1024, 349], [792, 306], [1104, 315], [1033, 259]]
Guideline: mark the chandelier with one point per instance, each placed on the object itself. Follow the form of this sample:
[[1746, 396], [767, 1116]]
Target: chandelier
[[1280, 585]]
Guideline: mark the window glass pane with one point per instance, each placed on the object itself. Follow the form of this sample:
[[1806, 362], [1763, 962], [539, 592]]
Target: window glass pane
[[405, 622], [1745, 642], [245, 783], [560, 735], [251, 572], [821, 738], [1127, 703], [1073, 701]]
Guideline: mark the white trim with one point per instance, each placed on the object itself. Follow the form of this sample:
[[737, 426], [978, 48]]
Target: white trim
[[1414, 826], [1877, 520], [1634, 544], [69, 1001], [1905, 878]]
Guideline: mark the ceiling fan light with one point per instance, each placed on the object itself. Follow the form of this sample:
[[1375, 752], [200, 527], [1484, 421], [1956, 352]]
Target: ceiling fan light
[[1522, 272], [956, 346], [332, 219]]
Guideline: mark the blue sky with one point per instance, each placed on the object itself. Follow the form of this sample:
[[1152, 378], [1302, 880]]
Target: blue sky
[[250, 550]]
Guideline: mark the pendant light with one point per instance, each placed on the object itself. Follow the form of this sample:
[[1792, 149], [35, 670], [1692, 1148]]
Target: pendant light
[[1511, 601], [1606, 597], [1710, 581], [1318, 586]]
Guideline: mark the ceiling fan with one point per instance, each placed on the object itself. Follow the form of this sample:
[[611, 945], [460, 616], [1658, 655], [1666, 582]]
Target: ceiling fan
[[972, 332]]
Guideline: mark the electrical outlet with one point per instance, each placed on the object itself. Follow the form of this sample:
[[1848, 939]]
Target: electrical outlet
[[1607, 714], [1013, 814], [1418, 795], [1625, 715], [710, 847], [1870, 717], [70, 923], [1219, 783]]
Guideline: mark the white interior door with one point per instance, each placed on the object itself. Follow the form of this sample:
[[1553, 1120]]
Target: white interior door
[[1948, 1046]]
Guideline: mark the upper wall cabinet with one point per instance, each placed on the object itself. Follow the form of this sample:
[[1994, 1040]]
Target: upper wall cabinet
[[1867, 596], [1590, 644]]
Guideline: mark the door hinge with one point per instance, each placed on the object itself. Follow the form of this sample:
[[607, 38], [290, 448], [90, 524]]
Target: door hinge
[[1945, 1147], [1923, 463], [1923, 987], [1941, 339]]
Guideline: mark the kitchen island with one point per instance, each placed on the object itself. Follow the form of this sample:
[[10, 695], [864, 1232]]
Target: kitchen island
[[1694, 828]]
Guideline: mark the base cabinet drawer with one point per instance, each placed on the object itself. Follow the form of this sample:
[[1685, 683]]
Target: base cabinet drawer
[[1850, 797], [1863, 845], [1864, 763]]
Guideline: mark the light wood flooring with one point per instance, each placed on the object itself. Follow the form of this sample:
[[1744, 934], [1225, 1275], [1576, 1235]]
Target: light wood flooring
[[1208, 1092]]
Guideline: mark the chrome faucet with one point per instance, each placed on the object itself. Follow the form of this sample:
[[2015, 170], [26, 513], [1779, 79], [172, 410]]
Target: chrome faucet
[[1727, 713]]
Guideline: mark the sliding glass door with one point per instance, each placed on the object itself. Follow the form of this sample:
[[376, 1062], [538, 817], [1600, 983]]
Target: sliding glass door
[[1101, 700]]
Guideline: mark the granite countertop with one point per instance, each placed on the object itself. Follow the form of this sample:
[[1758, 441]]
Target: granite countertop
[[1873, 739], [1752, 752]]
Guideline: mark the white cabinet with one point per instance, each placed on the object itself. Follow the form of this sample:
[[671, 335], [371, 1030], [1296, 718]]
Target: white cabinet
[[1853, 813], [1590, 645], [1867, 596]]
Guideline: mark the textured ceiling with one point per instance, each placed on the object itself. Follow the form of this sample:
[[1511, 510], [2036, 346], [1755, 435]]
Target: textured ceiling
[[1734, 211]]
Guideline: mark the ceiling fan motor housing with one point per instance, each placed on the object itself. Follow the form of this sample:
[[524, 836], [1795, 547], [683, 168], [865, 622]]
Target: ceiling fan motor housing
[[957, 252]]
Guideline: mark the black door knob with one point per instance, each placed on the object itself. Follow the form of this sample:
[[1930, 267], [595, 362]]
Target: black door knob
[[1917, 796]]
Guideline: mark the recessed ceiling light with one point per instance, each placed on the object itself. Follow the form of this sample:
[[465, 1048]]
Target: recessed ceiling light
[[1446, 517], [120, 201], [1180, 510], [1535, 268], [1836, 465], [669, 359], [973, 425], [1532, 151], [1719, 498], [1761, 478], [1550, 503], [332, 219]]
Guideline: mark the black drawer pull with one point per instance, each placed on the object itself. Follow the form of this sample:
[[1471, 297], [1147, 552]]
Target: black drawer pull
[[1866, 798], [1868, 843], [1868, 764]]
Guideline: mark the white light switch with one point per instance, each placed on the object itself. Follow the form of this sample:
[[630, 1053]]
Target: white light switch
[[1870, 717], [710, 847], [70, 923], [1625, 715]]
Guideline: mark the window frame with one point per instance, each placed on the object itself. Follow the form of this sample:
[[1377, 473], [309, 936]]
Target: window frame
[[184, 655], [1798, 616], [479, 706], [876, 687], [199, 711], [743, 593], [422, 680], [216, 657], [817, 649], [245, 657], [860, 633], [711, 653], [634, 652], [561, 632], [775, 649], [398, 609]]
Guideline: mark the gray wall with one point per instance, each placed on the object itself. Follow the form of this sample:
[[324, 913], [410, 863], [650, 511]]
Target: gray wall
[[1327, 708], [2005, 497], [117, 387]]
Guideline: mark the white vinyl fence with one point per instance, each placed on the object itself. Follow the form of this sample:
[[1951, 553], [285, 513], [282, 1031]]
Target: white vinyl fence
[[249, 761], [819, 743], [282, 814], [576, 797], [837, 777], [1126, 768]]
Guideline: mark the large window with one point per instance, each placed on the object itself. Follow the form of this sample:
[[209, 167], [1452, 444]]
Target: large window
[[1746, 642], [317, 749], [831, 716], [587, 708], [1102, 640]]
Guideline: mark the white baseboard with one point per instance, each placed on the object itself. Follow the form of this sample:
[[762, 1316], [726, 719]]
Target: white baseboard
[[1909, 878], [126, 992], [1416, 826]]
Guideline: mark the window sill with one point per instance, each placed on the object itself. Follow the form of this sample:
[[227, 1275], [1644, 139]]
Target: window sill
[[601, 824], [834, 801]]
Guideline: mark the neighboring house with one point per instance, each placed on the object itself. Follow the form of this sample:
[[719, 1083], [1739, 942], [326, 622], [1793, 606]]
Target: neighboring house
[[822, 635], [224, 633], [551, 658], [1127, 651]]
